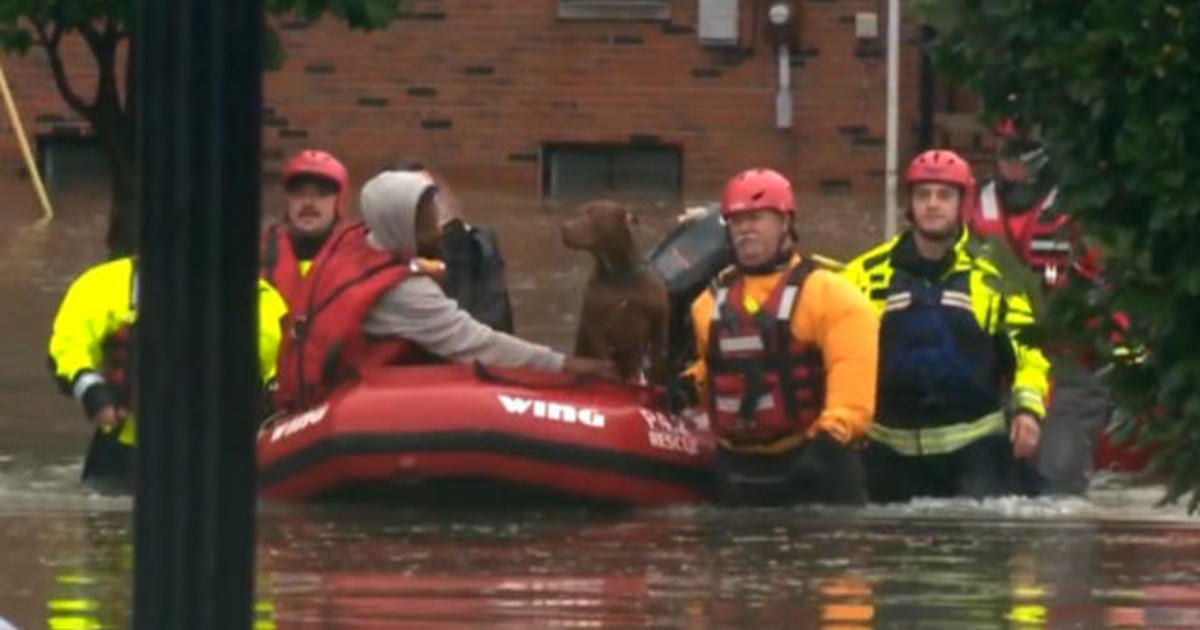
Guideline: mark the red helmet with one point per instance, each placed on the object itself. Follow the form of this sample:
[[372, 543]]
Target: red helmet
[[947, 167], [1022, 145], [1006, 128], [316, 163], [758, 189]]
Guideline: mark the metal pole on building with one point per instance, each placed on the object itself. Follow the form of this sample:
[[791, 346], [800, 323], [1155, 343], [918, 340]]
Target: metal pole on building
[[198, 108], [893, 118], [783, 96], [14, 120]]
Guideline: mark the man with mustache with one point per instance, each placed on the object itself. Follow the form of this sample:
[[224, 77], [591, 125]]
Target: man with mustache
[[786, 359], [373, 298], [959, 396], [316, 188]]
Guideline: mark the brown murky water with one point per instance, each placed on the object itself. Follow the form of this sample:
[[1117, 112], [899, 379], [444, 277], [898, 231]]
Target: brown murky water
[[1112, 561]]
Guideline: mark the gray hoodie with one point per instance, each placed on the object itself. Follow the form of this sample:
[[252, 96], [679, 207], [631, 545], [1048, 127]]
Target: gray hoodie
[[417, 309]]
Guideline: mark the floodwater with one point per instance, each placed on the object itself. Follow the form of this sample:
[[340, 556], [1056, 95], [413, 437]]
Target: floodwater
[[1112, 560]]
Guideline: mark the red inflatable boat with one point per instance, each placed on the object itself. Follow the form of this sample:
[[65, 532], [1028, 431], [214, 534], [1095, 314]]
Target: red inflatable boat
[[466, 436], [1123, 455]]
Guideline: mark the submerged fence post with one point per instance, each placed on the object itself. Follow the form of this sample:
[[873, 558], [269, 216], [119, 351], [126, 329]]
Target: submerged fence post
[[198, 103]]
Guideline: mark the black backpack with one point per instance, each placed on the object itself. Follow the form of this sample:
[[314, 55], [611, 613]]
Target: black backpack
[[475, 274], [687, 260]]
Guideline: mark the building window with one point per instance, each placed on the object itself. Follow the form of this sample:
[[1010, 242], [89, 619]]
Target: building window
[[615, 9], [589, 170], [71, 162]]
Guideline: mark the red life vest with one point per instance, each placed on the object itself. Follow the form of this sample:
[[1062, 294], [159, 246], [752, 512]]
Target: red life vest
[[1041, 239], [323, 342], [280, 267], [1037, 236], [765, 385]]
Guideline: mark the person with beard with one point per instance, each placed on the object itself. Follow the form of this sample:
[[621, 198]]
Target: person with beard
[[785, 360], [373, 298], [959, 396], [1019, 208], [316, 187]]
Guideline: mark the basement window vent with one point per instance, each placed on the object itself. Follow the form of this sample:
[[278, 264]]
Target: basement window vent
[[572, 171], [71, 162], [614, 9]]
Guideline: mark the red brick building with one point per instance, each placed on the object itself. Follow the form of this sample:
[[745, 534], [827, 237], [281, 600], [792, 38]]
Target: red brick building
[[540, 96]]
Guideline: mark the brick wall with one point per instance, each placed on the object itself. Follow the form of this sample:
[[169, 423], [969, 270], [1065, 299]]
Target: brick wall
[[476, 86]]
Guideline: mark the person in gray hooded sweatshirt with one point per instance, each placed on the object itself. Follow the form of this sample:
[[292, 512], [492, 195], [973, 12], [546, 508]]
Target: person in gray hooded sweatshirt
[[401, 212]]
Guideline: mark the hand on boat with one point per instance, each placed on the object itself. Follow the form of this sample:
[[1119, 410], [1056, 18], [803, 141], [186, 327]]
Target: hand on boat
[[681, 393], [691, 214], [584, 366], [108, 418], [1025, 434]]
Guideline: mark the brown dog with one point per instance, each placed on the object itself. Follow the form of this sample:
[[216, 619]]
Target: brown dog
[[625, 306]]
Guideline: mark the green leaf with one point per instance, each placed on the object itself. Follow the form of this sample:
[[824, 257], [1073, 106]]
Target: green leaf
[[273, 53], [1113, 87], [379, 14], [14, 39]]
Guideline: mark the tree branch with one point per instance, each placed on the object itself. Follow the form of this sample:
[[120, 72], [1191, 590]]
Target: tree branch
[[49, 42], [104, 49], [131, 79], [90, 35], [52, 39]]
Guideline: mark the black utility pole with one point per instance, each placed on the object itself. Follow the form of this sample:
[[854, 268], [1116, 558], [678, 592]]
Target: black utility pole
[[198, 103], [926, 97]]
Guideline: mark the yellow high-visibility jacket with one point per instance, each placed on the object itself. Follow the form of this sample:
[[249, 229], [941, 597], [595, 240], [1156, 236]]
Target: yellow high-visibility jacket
[[995, 312], [101, 302]]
